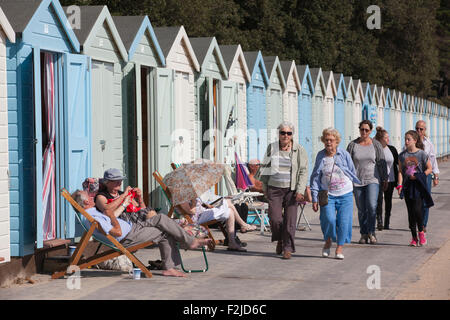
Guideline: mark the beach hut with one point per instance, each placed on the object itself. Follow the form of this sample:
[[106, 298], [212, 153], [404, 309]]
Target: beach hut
[[274, 97], [328, 103], [349, 110], [320, 90], [415, 114], [367, 110], [100, 40], [398, 105], [140, 89], [216, 98], [380, 104], [358, 107], [373, 110], [405, 123], [49, 118], [256, 105], [410, 113], [238, 73], [435, 127], [6, 34], [387, 110], [339, 106], [182, 119], [304, 106]]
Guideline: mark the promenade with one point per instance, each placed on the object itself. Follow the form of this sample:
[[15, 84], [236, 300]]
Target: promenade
[[388, 270]]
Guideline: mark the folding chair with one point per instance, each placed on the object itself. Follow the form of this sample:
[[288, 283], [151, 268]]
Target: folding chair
[[116, 248], [158, 177], [302, 214]]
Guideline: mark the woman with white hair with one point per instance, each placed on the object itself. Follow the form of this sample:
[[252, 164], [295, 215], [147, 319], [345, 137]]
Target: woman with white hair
[[333, 176], [284, 174]]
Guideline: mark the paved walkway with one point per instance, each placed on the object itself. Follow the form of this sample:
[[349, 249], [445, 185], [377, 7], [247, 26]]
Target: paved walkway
[[404, 272]]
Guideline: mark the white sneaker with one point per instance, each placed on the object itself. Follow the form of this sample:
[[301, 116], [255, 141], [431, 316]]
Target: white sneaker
[[326, 253], [339, 256]]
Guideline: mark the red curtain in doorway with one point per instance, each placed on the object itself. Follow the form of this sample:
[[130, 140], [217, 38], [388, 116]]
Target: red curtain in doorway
[[49, 187]]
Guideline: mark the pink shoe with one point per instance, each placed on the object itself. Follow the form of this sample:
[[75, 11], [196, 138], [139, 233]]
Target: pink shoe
[[413, 243], [422, 239]]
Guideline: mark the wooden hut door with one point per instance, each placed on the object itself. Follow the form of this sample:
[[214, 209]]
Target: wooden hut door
[[102, 117], [77, 128], [162, 130]]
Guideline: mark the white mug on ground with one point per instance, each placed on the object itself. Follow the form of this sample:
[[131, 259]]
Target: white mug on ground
[[136, 273]]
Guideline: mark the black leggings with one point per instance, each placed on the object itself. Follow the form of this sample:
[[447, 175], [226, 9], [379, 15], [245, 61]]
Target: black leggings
[[387, 203], [415, 214]]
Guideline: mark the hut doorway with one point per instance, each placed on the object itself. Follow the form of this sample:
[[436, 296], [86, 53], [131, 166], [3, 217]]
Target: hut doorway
[[147, 127], [51, 115]]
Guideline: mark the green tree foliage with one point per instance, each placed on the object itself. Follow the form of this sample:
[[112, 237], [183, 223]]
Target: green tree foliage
[[408, 53]]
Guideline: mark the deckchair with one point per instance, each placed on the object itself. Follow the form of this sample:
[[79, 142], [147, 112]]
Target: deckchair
[[207, 224], [158, 177], [116, 248]]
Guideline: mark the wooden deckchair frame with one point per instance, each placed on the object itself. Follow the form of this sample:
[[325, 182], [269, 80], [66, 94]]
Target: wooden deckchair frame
[[116, 251], [158, 177]]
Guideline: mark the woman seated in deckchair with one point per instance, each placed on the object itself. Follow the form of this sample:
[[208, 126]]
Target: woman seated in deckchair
[[201, 213], [111, 197]]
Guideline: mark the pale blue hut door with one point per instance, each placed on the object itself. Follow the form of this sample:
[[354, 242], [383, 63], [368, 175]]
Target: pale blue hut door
[[102, 122], [162, 130], [77, 124], [38, 147], [261, 124]]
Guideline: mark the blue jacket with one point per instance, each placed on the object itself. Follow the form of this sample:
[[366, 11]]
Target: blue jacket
[[342, 159]]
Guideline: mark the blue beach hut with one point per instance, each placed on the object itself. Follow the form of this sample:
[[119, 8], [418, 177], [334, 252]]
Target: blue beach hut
[[404, 117], [6, 34], [256, 105], [305, 128], [339, 105], [49, 115], [387, 110], [320, 91]]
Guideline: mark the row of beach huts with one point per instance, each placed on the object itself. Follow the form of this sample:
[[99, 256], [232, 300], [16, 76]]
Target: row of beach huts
[[82, 91]]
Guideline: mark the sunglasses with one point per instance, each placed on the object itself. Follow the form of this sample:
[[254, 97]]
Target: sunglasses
[[420, 129], [364, 129], [283, 133]]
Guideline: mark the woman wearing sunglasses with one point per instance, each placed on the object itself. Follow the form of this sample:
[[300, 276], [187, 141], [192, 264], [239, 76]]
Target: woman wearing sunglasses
[[371, 169], [284, 174]]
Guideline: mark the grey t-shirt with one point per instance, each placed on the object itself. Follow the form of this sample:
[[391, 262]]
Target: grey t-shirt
[[413, 162], [364, 160]]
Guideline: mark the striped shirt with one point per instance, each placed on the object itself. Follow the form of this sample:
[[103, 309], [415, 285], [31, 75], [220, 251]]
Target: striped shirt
[[281, 164]]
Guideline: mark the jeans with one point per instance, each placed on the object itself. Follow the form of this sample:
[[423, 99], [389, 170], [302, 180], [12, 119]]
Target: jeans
[[425, 209], [336, 219], [366, 200]]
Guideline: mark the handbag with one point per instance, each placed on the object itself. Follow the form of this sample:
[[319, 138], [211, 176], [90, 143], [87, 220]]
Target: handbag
[[323, 194]]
